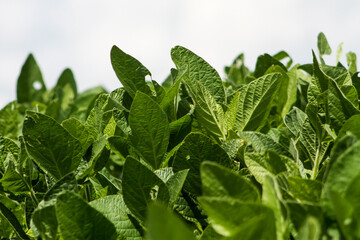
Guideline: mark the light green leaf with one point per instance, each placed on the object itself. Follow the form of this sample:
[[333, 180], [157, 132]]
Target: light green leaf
[[351, 61], [339, 53], [162, 224], [261, 142], [79, 131], [140, 186], [30, 84], [114, 209], [255, 102], [10, 120], [350, 125], [209, 113], [195, 149], [198, 71], [130, 72], [294, 121], [78, 220], [227, 215], [12, 216], [305, 189], [310, 230], [98, 158], [323, 45], [175, 184], [272, 198], [150, 129], [344, 170], [50, 145], [218, 181], [270, 163]]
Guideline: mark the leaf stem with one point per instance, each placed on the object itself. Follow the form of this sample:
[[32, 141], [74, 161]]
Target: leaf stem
[[316, 163]]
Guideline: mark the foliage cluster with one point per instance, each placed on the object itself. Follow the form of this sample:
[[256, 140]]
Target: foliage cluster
[[272, 153]]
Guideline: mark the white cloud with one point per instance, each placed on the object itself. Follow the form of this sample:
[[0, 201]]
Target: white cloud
[[79, 34]]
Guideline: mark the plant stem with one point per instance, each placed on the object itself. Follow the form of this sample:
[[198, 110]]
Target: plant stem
[[316, 163]]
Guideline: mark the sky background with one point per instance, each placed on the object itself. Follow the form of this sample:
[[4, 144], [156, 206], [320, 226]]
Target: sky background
[[79, 34]]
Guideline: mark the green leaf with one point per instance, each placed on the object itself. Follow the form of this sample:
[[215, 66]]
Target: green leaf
[[79, 131], [30, 84], [101, 114], [198, 71], [265, 61], [195, 149], [114, 209], [255, 102], [130, 72], [261, 142], [310, 230], [170, 101], [45, 221], [340, 108], [351, 61], [350, 125], [12, 181], [99, 156], [294, 121], [339, 53], [179, 129], [270, 163], [84, 102], [162, 224], [227, 215], [305, 189], [218, 181], [272, 198], [11, 213], [209, 113], [140, 186], [150, 129], [10, 120], [78, 220], [50, 145], [175, 184], [67, 78], [344, 170], [323, 45]]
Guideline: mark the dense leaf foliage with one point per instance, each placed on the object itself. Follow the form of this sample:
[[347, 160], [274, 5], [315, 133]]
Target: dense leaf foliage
[[272, 153]]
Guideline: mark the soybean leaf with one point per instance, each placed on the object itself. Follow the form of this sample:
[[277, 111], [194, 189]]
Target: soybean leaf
[[351, 61], [162, 224], [140, 186], [130, 72], [10, 120], [114, 209], [218, 181], [209, 113], [227, 215], [344, 170], [50, 145], [149, 129], [255, 101], [323, 46], [198, 70], [195, 149], [30, 84], [78, 220]]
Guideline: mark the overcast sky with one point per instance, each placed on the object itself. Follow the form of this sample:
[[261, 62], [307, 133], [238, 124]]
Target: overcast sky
[[79, 34]]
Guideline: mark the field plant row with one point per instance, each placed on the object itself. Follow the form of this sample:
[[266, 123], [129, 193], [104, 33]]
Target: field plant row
[[272, 153]]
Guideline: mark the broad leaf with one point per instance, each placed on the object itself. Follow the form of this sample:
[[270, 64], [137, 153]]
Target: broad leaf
[[50, 145], [149, 129], [78, 220], [140, 186]]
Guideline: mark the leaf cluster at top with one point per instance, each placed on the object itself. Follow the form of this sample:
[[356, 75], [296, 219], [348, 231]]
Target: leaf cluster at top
[[272, 153]]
